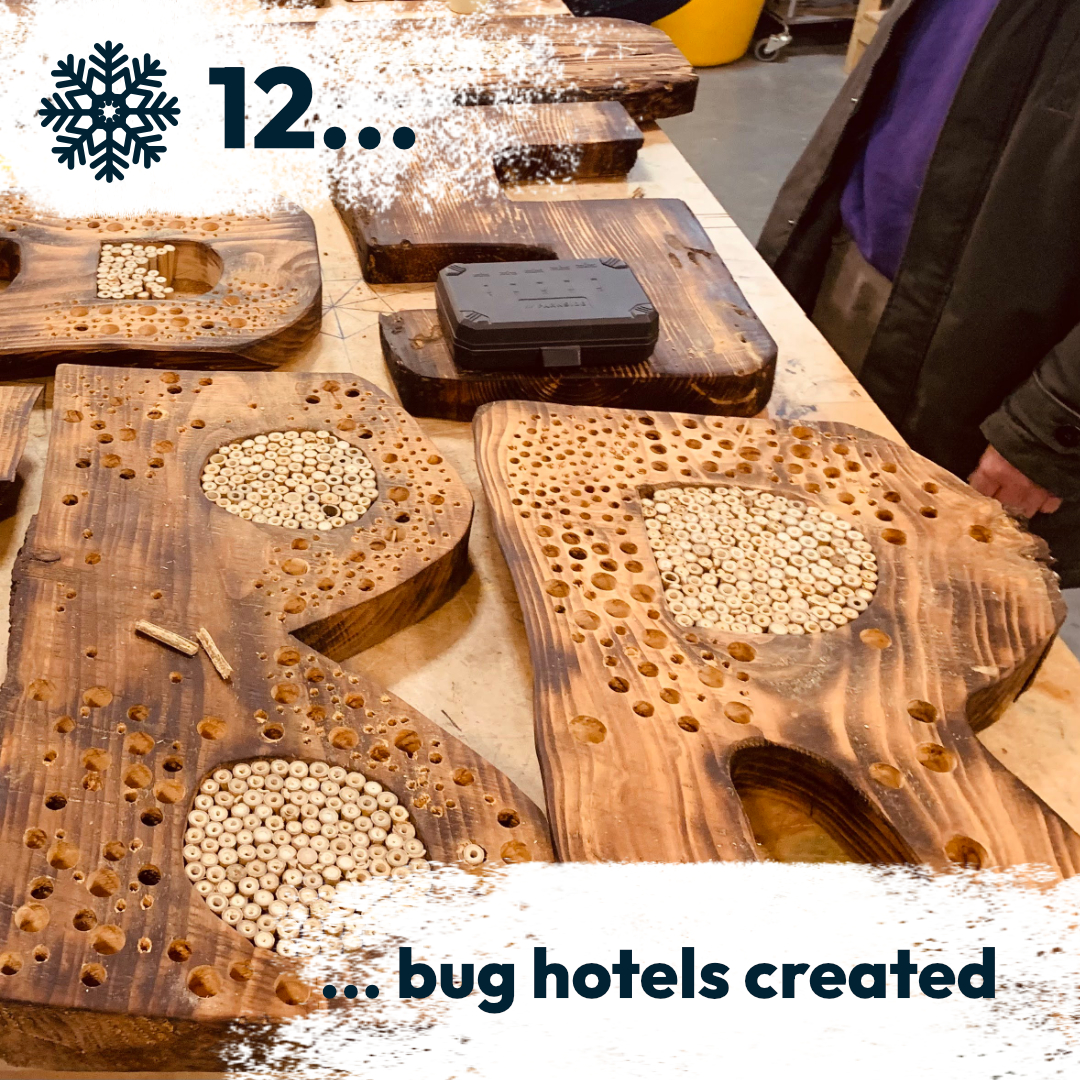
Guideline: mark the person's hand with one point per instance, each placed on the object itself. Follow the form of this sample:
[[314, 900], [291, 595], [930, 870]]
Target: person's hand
[[1006, 483]]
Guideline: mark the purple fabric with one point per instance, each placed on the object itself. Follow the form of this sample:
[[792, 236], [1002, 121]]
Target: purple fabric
[[878, 204]]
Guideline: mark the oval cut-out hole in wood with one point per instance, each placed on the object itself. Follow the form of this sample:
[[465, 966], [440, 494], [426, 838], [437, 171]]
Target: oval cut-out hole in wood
[[875, 638], [801, 809]]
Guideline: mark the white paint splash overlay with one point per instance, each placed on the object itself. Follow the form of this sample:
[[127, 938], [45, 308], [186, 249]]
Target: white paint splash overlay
[[366, 72], [735, 914]]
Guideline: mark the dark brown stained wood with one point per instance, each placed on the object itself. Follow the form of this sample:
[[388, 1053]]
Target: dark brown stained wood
[[411, 240], [249, 294], [16, 404], [343, 10], [670, 744], [125, 533], [591, 59], [713, 354]]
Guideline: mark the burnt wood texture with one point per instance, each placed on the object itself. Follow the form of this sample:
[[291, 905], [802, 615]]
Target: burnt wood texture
[[713, 354], [247, 291], [659, 742], [16, 403], [106, 734]]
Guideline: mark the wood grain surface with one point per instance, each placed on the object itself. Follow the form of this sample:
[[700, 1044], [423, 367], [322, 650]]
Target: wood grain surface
[[659, 743], [352, 10], [107, 734], [15, 405], [713, 354], [249, 292], [530, 59]]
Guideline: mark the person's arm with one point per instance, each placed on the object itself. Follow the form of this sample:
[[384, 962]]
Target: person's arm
[[1036, 436]]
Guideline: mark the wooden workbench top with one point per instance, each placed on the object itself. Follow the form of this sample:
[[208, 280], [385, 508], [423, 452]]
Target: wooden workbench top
[[467, 665]]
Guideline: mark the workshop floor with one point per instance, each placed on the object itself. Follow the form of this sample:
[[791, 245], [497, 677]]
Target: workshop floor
[[749, 126]]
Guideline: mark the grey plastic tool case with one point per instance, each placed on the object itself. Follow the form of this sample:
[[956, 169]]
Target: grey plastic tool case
[[558, 314]]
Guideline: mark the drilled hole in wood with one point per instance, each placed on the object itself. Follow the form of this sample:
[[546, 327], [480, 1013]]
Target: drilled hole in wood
[[149, 874], [152, 817], [107, 940], [738, 713], [103, 882], [876, 639], [10, 963], [93, 974], [967, 853], [923, 711], [886, 775], [212, 727], [62, 855], [114, 851], [688, 723], [935, 757], [343, 738], [56, 800], [42, 888], [291, 990], [179, 950], [10, 262], [32, 918], [205, 981], [84, 920]]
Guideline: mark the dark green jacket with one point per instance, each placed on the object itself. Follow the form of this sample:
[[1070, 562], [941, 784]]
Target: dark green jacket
[[981, 337]]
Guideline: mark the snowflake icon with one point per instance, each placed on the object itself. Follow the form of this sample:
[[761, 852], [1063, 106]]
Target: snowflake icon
[[108, 111]]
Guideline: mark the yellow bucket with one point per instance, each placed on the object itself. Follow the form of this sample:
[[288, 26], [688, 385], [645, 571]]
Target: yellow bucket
[[711, 32]]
